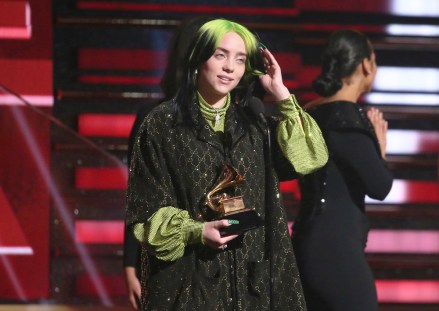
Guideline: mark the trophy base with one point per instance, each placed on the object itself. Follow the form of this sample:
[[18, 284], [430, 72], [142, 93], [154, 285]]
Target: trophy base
[[248, 220]]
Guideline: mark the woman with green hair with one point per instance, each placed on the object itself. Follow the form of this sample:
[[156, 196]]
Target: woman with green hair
[[189, 262]]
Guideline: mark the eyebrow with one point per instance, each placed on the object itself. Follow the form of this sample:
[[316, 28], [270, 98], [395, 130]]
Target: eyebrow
[[227, 51]]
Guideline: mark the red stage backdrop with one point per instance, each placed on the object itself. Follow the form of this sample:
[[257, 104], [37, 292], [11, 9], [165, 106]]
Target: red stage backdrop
[[26, 69]]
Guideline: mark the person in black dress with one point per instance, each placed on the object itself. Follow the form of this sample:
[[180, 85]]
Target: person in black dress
[[330, 232]]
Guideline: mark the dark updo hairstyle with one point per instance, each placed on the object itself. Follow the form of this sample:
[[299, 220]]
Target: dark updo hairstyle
[[343, 52]]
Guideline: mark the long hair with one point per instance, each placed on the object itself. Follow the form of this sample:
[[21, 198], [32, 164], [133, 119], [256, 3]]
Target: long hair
[[204, 45], [343, 52], [177, 52]]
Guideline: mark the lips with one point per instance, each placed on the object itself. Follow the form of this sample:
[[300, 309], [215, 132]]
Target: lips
[[225, 79]]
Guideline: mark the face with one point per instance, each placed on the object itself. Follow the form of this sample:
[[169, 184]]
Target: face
[[222, 72], [373, 69]]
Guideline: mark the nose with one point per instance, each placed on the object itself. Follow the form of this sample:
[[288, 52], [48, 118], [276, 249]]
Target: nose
[[229, 65]]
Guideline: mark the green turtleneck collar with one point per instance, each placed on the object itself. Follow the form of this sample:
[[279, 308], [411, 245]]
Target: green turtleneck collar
[[215, 117]]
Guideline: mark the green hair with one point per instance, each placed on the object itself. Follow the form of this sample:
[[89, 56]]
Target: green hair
[[215, 30]]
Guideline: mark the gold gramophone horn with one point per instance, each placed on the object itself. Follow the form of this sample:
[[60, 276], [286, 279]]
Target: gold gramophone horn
[[229, 177]]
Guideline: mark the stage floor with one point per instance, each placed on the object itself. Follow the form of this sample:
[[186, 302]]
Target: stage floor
[[60, 308], [127, 308]]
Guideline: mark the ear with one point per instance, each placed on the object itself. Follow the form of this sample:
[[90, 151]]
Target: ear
[[366, 65]]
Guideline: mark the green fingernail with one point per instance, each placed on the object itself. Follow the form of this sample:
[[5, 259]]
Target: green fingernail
[[233, 221]]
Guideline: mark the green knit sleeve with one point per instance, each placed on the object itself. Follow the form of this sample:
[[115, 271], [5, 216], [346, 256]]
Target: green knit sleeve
[[300, 138], [168, 231]]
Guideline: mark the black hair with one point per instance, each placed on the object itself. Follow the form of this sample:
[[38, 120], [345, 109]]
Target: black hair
[[177, 53], [343, 52]]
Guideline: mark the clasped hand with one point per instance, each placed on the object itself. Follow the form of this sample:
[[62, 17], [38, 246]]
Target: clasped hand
[[380, 126]]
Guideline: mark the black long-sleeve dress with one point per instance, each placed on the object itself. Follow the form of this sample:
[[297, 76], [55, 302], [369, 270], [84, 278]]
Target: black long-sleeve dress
[[330, 233]]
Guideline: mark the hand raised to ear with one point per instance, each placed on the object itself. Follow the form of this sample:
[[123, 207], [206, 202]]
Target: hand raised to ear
[[272, 79]]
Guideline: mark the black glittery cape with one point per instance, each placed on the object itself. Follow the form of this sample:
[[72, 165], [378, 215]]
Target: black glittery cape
[[176, 163]]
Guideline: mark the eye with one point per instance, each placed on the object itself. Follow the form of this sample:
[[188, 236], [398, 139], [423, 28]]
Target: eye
[[241, 60], [220, 55]]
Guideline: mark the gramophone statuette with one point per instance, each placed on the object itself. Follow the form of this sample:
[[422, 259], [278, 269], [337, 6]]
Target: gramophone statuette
[[225, 206]]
